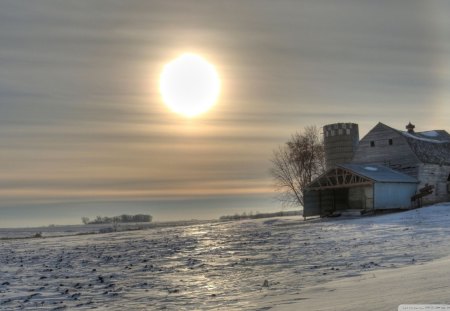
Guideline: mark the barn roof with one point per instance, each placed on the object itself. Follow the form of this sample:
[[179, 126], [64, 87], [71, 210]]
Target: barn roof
[[428, 152], [434, 136], [429, 146], [356, 175], [378, 173]]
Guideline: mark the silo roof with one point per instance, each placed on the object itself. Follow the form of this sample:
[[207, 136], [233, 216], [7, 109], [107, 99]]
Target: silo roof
[[378, 173]]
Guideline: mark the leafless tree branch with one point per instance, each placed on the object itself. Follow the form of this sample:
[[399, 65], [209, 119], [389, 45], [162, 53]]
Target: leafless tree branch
[[296, 163]]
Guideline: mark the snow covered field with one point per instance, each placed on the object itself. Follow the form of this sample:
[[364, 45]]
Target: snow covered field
[[252, 265]]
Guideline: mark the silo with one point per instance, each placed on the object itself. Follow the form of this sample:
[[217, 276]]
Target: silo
[[341, 141]]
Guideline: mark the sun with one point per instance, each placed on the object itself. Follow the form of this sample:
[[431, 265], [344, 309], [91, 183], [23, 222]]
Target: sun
[[189, 85]]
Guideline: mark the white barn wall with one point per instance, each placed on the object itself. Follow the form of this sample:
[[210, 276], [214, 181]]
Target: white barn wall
[[393, 195]]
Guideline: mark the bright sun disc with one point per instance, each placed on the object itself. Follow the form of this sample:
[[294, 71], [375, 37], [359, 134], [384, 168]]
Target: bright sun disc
[[189, 85]]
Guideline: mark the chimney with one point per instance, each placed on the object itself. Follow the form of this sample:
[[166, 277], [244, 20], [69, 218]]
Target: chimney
[[410, 127]]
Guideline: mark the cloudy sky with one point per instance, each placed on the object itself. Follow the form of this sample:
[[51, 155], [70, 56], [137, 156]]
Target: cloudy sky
[[84, 132]]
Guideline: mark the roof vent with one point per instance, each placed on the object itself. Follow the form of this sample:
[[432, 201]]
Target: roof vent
[[410, 127]]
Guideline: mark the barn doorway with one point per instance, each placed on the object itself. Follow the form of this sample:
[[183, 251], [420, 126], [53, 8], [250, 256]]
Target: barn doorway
[[338, 190]]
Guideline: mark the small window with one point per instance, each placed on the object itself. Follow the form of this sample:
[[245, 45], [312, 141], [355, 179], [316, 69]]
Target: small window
[[390, 142], [372, 143]]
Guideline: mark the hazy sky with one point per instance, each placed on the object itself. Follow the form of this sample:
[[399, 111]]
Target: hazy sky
[[83, 131]]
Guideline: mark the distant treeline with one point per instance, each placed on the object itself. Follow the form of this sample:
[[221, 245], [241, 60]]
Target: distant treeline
[[117, 219], [259, 215]]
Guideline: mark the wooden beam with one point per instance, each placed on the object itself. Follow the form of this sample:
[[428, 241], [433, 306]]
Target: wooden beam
[[358, 184], [339, 178]]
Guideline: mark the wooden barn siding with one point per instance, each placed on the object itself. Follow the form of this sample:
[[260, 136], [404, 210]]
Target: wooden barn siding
[[327, 201], [397, 156], [318, 202], [436, 175], [324, 201], [360, 197], [311, 203]]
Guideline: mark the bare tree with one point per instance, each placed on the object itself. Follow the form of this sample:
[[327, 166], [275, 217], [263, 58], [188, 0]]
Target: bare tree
[[296, 163]]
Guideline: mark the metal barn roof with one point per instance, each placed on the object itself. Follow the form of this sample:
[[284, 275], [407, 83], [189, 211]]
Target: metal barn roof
[[378, 173], [358, 175]]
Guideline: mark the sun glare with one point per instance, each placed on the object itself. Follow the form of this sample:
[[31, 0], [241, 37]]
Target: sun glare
[[189, 85]]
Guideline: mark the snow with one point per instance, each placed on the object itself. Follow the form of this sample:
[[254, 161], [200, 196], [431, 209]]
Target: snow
[[422, 138], [371, 168], [377, 290], [279, 263], [430, 133]]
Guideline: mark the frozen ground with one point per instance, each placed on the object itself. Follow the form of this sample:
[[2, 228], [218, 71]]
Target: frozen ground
[[381, 290], [56, 230], [219, 265]]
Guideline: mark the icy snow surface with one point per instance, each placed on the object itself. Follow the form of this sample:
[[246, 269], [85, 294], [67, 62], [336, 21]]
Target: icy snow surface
[[370, 168], [422, 138], [213, 266], [430, 133]]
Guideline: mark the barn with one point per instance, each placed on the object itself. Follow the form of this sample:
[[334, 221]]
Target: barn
[[358, 187], [386, 169]]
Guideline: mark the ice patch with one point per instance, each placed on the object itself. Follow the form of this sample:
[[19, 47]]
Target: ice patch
[[421, 138], [371, 168], [430, 133]]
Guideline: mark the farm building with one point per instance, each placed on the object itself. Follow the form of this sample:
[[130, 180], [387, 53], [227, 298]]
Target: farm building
[[386, 169]]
